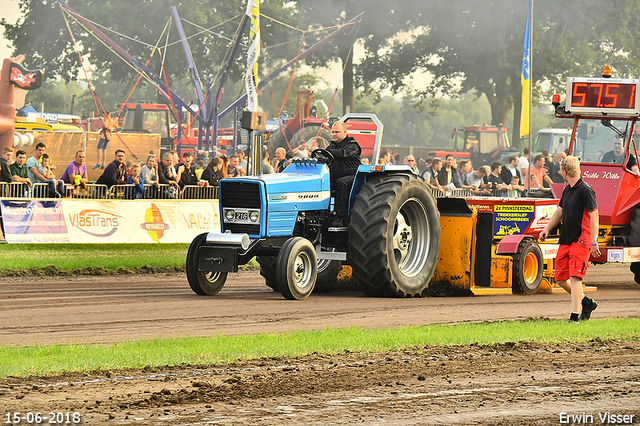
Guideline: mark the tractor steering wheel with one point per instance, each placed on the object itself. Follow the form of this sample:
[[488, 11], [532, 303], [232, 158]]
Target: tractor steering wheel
[[323, 156]]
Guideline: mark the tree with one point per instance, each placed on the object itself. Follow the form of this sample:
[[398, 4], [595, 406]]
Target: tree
[[41, 33], [477, 46], [378, 20]]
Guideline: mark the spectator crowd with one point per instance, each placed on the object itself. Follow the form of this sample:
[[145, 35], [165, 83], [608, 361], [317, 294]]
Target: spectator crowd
[[166, 177]]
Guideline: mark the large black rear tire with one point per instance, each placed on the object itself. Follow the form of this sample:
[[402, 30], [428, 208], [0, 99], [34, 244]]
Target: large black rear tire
[[328, 271], [202, 283], [634, 230], [635, 268], [268, 271], [394, 236], [527, 268]]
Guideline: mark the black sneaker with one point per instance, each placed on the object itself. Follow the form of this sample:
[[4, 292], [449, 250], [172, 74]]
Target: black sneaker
[[574, 319], [586, 310]]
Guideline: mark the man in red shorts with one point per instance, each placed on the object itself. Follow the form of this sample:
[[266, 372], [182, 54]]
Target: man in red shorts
[[578, 211]]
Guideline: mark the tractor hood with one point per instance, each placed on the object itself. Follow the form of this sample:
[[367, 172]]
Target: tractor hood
[[298, 187]]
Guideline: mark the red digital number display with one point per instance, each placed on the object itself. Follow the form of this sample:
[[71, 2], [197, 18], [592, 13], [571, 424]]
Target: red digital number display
[[603, 95]]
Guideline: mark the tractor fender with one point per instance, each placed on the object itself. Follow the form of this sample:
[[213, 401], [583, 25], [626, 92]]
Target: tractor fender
[[509, 244]]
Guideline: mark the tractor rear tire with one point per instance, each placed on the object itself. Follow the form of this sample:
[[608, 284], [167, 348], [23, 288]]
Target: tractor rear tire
[[394, 236], [634, 230], [202, 283], [296, 268], [527, 268], [312, 134], [268, 271], [328, 271]]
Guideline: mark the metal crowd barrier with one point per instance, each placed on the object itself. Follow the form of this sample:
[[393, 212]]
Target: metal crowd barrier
[[40, 190], [98, 191], [192, 192], [102, 192], [123, 192], [454, 193], [161, 192], [15, 190]]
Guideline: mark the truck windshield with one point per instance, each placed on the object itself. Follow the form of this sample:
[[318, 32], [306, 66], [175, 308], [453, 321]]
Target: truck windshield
[[155, 122], [554, 142], [486, 141], [598, 141]]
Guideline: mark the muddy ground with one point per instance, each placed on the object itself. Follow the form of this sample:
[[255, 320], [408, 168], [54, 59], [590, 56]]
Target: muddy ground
[[508, 384]]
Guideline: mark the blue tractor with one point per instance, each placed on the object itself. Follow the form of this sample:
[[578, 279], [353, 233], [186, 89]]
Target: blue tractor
[[391, 242]]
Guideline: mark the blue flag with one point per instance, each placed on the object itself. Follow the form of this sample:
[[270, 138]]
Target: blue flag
[[526, 76]]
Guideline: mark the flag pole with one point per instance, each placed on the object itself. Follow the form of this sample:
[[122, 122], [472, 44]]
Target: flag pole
[[527, 89], [530, 76]]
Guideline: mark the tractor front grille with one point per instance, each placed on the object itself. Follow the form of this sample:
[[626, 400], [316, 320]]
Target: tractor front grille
[[240, 195]]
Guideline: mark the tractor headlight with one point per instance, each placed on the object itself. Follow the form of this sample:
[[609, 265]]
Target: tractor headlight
[[254, 216], [229, 215]]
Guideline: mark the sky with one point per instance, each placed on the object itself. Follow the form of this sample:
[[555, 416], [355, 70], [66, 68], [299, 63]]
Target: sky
[[10, 12]]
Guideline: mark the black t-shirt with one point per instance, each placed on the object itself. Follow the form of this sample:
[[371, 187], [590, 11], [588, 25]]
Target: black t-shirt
[[188, 176], [495, 180], [575, 202], [5, 171], [610, 157]]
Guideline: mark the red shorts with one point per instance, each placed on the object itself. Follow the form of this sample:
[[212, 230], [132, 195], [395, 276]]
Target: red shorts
[[572, 261]]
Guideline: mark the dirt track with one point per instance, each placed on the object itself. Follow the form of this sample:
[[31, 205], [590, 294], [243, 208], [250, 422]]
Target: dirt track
[[503, 385]]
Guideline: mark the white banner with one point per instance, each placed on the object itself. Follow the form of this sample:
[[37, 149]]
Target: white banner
[[251, 75]]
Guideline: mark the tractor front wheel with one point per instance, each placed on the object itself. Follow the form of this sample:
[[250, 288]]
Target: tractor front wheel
[[296, 268], [202, 282]]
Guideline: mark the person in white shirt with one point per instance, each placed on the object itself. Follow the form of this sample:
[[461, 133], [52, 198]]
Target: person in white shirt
[[523, 166]]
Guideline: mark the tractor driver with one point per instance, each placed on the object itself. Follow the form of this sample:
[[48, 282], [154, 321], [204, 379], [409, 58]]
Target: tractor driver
[[617, 156], [346, 153]]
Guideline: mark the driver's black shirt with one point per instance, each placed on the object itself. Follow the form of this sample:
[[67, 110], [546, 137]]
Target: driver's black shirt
[[610, 157], [346, 157]]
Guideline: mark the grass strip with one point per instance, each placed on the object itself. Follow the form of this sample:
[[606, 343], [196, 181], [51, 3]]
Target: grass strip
[[44, 360], [78, 256], [69, 259]]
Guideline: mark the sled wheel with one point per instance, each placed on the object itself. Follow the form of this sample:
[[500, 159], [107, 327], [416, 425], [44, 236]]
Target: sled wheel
[[394, 236], [527, 268], [268, 271], [296, 268], [202, 282]]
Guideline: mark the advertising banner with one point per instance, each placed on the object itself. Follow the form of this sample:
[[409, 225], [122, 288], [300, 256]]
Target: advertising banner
[[109, 221], [511, 219], [34, 222]]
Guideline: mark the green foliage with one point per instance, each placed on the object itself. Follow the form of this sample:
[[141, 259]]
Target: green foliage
[[272, 97], [39, 360], [458, 47], [56, 96]]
